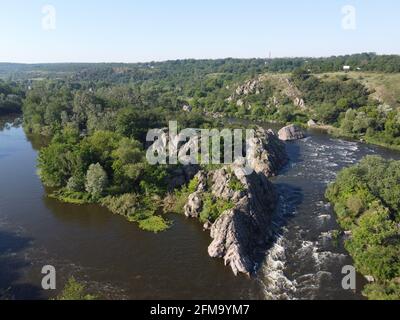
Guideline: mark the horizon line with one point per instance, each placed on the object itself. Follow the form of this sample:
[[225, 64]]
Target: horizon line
[[200, 59]]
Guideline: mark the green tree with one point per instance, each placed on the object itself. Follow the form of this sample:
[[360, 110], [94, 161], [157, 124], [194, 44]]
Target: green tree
[[96, 181]]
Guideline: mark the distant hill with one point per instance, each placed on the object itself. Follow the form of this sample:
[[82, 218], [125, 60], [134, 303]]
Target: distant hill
[[120, 72]]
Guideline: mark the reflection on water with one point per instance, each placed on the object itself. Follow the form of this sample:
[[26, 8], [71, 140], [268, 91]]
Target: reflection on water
[[111, 255], [116, 259]]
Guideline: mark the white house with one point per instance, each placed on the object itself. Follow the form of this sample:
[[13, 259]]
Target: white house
[[346, 68]]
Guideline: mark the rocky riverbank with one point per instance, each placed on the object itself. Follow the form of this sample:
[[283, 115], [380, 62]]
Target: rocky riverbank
[[242, 230]]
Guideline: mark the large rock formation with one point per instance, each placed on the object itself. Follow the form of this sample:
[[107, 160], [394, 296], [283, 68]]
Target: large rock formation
[[265, 153], [290, 133], [242, 231]]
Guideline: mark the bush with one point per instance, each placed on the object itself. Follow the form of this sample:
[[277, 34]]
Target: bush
[[235, 184], [154, 224], [213, 208], [386, 291], [74, 290]]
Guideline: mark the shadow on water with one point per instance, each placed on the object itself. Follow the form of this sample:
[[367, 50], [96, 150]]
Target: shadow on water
[[289, 198], [11, 267]]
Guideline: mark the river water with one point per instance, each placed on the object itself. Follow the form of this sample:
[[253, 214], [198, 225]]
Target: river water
[[118, 261]]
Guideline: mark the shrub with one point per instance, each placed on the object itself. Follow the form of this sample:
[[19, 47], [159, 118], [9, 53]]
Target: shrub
[[154, 224], [213, 208], [74, 290], [235, 184]]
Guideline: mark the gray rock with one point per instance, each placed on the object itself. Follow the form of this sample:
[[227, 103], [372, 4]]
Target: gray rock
[[299, 102], [207, 226], [242, 231], [187, 108], [266, 154], [291, 133], [311, 123]]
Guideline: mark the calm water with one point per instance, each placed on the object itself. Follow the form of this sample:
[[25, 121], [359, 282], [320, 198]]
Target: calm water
[[116, 259]]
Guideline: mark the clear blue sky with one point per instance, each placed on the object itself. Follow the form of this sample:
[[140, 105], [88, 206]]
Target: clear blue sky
[[133, 30]]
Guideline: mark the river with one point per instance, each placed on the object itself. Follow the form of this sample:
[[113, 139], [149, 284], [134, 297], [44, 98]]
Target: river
[[118, 261]]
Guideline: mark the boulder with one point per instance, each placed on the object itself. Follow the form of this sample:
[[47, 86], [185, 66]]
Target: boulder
[[187, 108], [299, 102], [291, 133]]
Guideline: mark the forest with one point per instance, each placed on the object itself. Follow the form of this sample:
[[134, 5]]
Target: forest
[[11, 95], [366, 201]]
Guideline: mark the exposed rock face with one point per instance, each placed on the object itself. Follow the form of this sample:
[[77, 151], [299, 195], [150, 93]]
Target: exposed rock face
[[182, 176], [265, 153], [298, 102], [290, 133], [242, 231], [250, 87], [311, 124], [239, 232]]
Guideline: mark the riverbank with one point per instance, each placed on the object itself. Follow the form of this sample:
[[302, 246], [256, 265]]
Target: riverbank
[[367, 210]]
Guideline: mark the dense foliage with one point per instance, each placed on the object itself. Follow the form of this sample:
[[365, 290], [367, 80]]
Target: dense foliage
[[11, 96], [366, 200], [117, 72], [104, 167], [99, 116]]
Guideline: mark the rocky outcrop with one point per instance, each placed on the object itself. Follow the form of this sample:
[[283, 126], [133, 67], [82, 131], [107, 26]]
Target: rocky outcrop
[[265, 153], [311, 124], [291, 133], [299, 102], [250, 87], [241, 232], [182, 175]]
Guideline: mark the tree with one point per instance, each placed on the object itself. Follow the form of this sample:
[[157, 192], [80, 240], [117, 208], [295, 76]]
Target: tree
[[96, 181]]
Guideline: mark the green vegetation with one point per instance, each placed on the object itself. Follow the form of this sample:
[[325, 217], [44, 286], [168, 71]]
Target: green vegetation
[[366, 200], [98, 116], [103, 168], [213, 207], [11, 96], [74, 291], [154, 224], [235, 184]]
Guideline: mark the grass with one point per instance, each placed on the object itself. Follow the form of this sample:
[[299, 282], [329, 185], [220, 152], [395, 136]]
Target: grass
[[385, 86], [76, 198], [154, 224]]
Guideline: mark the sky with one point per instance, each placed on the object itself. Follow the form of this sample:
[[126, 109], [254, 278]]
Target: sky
[[34, 31]]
